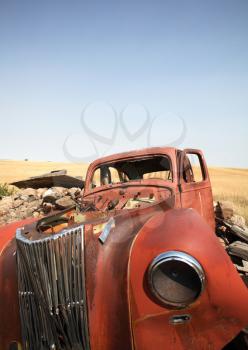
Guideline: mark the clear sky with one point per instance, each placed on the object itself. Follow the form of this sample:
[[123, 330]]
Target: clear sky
[[69, 69]]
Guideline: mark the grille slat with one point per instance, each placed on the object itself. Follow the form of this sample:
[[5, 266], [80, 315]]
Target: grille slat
[[52, 291]]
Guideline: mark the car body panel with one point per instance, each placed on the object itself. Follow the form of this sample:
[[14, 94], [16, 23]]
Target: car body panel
[[10, 327], [197, 195], [220, 312], [121, 312]]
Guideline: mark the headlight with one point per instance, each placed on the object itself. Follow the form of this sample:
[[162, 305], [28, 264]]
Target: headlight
[[176, 279]]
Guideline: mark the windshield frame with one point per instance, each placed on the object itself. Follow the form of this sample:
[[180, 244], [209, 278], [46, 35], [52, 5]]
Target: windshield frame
[[134, 182]]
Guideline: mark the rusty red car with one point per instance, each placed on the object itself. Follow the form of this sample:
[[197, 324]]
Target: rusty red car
[[136, 266]]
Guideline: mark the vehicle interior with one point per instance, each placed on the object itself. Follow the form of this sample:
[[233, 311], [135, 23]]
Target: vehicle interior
[[155, 167]]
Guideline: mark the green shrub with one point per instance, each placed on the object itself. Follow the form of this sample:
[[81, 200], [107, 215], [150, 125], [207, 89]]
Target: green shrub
[[5, 190]]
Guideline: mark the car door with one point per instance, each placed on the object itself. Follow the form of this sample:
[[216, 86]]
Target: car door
[[194, 184]]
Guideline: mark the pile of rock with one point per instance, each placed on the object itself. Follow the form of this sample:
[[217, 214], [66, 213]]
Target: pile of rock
[[225, 210], [31, 202], [233, 235]]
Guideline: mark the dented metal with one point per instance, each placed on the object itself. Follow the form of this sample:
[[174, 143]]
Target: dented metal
[[79, 279]]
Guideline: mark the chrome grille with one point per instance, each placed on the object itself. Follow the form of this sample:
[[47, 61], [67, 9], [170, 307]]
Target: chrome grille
[[51, 291]]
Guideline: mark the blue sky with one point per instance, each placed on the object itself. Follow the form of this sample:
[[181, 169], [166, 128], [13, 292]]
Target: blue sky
[[180, 62]]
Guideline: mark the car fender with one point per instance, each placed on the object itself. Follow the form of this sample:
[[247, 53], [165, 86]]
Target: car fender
[[220, 312], [9, 308]]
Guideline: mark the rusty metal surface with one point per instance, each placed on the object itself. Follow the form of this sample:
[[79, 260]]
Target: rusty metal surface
[[107, 280], [136, 194], [52, 291], [220, 312], [197, 195], [120, 243], [52, 179], [10, 327], [171, 152]]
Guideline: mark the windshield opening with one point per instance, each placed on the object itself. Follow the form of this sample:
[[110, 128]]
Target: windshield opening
[[156, 168]]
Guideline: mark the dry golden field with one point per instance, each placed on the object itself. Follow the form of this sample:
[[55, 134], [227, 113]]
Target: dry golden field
[[228, 183], [11, 171], [231, 184]]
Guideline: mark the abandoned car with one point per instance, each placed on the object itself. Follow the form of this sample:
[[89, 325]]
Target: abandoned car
[[136, 266]]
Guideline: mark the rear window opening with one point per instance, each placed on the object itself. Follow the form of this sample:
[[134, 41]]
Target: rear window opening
[[152, 168]]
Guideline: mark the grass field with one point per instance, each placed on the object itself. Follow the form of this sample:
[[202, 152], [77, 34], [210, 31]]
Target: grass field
[[231, 184], [228, 183], [11, 171]]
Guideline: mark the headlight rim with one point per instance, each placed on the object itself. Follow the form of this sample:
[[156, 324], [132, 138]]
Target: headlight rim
[[174, 255]]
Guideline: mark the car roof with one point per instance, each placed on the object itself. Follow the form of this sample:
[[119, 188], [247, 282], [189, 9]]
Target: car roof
[[170, 151]]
